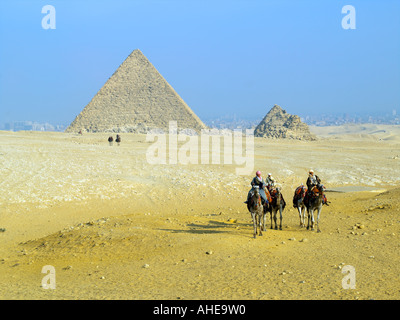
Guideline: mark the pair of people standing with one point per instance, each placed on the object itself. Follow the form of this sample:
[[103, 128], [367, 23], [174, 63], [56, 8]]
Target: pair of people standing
[[117, 140]]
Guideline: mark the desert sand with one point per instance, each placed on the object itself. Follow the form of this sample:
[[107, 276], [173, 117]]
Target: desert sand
[[114, 226]]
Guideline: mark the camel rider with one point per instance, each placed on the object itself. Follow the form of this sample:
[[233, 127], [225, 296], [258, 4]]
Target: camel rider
[[258, 181], [312, 181], [270, 181]]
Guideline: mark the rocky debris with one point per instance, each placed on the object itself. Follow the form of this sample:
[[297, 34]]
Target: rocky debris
[[380, 207], [358, 226], [279, 124], [136, 98]]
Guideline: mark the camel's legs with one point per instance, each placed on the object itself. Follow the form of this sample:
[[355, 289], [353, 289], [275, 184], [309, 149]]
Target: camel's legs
[[253, 215], [302, 213], [260, 224], [264, 219], [270, 214], [312, 220], [275, 212], [319, 212], [299, 210]]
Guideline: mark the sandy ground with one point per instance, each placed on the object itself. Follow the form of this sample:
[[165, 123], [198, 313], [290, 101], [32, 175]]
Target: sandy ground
[[114, 226]]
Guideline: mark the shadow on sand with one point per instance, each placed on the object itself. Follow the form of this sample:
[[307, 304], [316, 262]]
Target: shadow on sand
[[211, 227]]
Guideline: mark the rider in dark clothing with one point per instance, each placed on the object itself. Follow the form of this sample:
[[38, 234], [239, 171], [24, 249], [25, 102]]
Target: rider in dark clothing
[[312, 181], [258, 181]]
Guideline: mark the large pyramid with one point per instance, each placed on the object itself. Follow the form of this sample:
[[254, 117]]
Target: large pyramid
[[279, 124], [136, 98]]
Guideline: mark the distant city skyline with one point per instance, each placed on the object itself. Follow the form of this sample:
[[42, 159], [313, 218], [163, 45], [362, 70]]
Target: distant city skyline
[[236, 122], [222, 57]]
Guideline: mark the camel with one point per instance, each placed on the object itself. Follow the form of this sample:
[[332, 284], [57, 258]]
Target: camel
[[298, 202], [257, 211], [277, 203], [314, 201]]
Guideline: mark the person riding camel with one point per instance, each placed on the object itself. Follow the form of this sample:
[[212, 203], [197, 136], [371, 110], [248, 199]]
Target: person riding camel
[[270, 182], [258, 181], [312, 181]]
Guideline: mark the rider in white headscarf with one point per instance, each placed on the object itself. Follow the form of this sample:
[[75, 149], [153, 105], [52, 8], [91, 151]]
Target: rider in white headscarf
[[270, 181], [312, 181]]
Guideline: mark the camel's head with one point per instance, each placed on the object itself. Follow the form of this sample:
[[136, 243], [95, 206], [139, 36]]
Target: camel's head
[[256, 191], [276, 191], [320, 187]]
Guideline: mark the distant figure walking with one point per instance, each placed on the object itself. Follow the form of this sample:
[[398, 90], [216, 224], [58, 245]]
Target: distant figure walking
[[110, 140], [118, 140]]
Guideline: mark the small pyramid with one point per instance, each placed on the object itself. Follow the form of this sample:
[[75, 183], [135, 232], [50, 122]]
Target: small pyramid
[[136, 98], [281, 125]]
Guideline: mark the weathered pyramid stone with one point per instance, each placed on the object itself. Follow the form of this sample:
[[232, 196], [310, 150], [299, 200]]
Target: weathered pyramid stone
[[281, 125], [136, 98]]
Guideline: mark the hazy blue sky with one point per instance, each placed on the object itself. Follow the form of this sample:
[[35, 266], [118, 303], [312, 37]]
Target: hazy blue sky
[[222, 57]]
